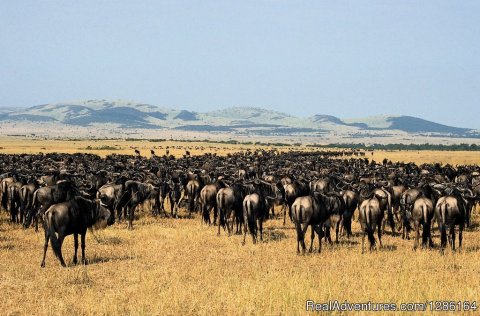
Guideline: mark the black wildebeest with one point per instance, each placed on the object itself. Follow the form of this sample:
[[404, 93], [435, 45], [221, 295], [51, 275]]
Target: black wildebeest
[[230, 207], [72, 217], [370, 216], [422, 214], [45, 197], [450, 211], [350, 199], [13, 196], [292, 191], [208, 200], [254, 212], [4, 191], [309, 211], [135, 192]]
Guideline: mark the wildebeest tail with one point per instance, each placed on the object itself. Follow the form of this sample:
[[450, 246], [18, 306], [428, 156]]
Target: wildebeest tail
[[4, 198], [51, 231], [368, 220], [221, 211], [424, 214], [204, 207], [249, 217], [298, 222]]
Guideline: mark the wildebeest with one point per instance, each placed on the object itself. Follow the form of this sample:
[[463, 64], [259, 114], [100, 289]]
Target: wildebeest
[[422, 214], [230, 207], [208, 200], [309, 211], [45, 197], [135, 192], [450, 212], [72, 217], [292, 191], [255, 210], [350, 199], [370, 216]]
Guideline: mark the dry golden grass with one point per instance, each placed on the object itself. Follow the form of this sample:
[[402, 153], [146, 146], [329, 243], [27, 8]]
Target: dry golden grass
[[19, 145], [179, 266]]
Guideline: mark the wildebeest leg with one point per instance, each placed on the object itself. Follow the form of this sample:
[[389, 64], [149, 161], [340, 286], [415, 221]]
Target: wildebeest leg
[[260, 226], [215, 214], [460, 235], [363, 240], [75, 242], [312, 238], [380, 233], [328, 237], [390, 221], [318, 230], [417, 235], [452, 233], [131, 211], [337, 229], [45, 246], [245, 230], [426, 234], [220, 211], [61, 237], [82, 240], [284, 209]]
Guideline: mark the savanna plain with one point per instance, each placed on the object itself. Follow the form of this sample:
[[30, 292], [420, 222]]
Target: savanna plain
[[167, 266]]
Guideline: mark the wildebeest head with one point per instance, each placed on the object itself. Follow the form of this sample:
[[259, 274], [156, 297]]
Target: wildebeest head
[[102, 215]]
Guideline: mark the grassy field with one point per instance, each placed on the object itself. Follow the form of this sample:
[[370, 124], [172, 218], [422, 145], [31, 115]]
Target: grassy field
[[16, 145], [179, 266]]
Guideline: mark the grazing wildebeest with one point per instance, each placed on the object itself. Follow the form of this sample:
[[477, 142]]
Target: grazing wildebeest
[[135, 193], [422, 214], [160, 196], [230, 207], [449, 212], [72, 217], [309, 211], [208, 200], [370, 216], [110, 195], [335, 206], [174, 195]]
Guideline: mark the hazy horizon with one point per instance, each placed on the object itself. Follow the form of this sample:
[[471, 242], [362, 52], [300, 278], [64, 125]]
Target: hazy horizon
[[348, 59]]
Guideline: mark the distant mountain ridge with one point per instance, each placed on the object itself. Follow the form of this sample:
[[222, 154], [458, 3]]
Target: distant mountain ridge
[[243, 120]]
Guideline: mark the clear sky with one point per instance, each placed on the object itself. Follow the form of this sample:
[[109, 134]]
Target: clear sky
[[345, 58]]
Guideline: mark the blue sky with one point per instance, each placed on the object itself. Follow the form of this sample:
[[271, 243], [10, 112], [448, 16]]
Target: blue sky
[[345, 58]]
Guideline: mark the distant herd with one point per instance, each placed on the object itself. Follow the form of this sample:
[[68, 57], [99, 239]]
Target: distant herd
[[70, 193]]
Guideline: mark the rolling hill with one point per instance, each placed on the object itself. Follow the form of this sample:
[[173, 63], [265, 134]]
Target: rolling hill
[[237, 120]]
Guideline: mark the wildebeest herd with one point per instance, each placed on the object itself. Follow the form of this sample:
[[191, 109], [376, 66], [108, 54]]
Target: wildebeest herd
[[69, 193]]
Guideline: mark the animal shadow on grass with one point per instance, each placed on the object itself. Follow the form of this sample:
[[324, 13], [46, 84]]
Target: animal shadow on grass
[[473, 226], [96, 259], [7, 247], [271, 235], [111, 240], [475, 248], [348, 242], [387, 248]]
